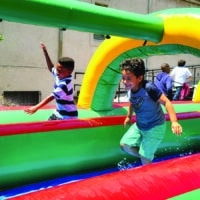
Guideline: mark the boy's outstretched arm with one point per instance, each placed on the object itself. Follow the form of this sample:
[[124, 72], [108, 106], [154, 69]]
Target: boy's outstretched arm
[[48, 60], [31, 110], [176, 127], [129, 115]]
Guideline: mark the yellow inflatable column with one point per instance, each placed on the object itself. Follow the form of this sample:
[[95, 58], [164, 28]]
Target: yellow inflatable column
[[196, 95]]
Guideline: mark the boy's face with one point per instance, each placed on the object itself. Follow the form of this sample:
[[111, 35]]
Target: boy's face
[[61, 71], [130, 81]]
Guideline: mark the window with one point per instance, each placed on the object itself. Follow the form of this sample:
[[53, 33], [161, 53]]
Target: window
[[99, 36], [21, 97]]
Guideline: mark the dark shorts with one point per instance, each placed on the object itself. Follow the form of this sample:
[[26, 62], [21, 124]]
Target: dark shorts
[[54, 117]]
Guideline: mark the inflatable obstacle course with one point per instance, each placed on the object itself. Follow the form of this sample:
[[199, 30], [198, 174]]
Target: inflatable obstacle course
[[35, 150]]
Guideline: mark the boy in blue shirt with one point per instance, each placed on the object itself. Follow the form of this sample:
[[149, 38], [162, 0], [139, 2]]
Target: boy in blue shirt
[[143, 137]]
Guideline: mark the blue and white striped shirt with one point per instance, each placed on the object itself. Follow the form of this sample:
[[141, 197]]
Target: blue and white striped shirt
[[63, 94]]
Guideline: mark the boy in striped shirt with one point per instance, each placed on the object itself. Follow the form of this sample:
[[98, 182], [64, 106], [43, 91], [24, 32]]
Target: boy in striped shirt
[[63, 89]]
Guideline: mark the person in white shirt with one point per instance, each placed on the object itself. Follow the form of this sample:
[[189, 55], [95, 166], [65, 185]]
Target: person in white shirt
[[180, 75]]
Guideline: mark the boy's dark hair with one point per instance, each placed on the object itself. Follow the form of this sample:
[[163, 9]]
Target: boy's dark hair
[[134, 65], [67, 63], [181, 63]]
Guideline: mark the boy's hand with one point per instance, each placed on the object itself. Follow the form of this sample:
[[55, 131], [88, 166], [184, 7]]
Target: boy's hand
[[176, 128], [31, 110], [43, 46], [127, 121]]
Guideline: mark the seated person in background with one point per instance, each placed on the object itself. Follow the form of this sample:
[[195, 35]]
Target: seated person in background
[[163, 81]]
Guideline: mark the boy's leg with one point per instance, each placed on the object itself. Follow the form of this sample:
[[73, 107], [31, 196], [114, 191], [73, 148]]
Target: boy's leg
[[131, 140], [53, 117], [151, 141], [177, 93], [145, 161], [130, 150], [134, 151]]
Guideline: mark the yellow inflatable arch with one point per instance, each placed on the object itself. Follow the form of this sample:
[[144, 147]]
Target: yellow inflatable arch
[[102, 76]]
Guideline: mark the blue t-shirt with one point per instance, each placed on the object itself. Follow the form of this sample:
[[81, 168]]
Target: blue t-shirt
[[146, 105]]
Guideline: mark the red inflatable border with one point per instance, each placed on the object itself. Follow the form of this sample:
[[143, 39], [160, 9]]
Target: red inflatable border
[[45, 126], [156, 181]]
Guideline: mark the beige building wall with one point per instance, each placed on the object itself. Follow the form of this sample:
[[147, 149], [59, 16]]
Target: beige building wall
[[22, 64]]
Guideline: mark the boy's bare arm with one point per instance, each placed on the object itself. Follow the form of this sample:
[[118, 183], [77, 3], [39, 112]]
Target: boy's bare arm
[[31, 110], [48, 60], [129, 115], [176, 127]]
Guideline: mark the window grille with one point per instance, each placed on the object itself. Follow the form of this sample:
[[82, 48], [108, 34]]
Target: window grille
[[21, 97]]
